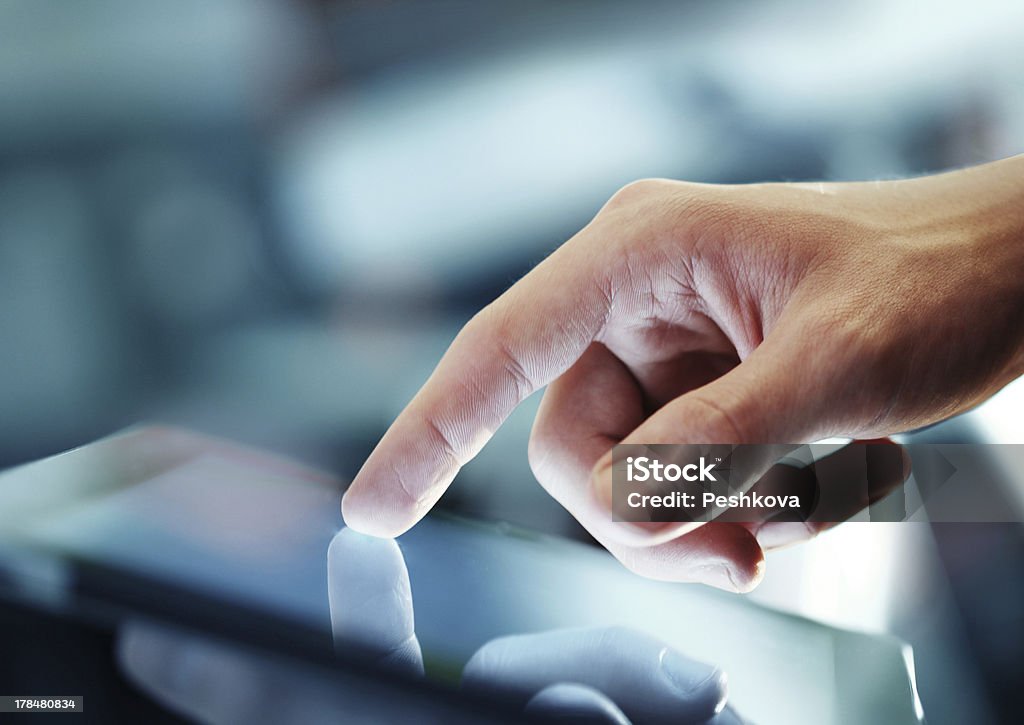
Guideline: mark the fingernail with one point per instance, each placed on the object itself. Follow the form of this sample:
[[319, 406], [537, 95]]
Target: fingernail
[[690, 677]]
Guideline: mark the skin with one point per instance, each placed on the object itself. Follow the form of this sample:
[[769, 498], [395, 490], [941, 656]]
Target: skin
[[690, 313]]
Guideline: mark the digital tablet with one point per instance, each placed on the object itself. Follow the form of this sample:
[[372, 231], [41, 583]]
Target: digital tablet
[[170, 526]]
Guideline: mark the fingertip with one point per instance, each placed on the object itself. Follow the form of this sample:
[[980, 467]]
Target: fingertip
[[703, 688], [746, 580], [743, 563], [727, 578], [351, 544], [365, 515]]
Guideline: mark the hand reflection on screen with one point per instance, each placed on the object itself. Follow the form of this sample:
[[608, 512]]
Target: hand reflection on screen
[[611, 675]]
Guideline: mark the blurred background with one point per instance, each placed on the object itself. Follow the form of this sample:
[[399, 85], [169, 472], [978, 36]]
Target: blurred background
[[266, 220]]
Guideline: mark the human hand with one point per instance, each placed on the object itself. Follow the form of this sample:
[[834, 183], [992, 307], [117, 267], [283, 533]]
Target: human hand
[[612, 675], [688, 313]]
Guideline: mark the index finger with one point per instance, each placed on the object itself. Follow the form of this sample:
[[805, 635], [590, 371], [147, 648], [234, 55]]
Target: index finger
[[519, 343]]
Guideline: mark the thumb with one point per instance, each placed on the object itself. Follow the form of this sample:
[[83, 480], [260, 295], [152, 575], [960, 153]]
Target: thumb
[[765, 399], [770, 398]]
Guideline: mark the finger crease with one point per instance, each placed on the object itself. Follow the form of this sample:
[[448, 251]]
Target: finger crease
[[523, 381]]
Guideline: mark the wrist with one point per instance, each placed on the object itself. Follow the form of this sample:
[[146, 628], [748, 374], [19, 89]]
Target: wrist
[[984, 212], [954, 245], [990, 220]]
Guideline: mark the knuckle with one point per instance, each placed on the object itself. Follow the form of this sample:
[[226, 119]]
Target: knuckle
[[682, 215], [639, 191], [515, 371], [498, 329]]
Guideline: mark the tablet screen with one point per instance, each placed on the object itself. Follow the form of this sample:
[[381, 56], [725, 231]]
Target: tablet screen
[[246, 528]]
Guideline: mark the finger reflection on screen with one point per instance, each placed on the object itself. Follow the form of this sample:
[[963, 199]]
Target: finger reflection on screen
[[371, 600]]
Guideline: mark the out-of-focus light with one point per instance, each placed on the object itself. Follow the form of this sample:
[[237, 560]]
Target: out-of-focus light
[[908, 658], [851, 576], [98, 67], [1000, 419], [194, 252], [437, 169], [62, 352], [864, 59]]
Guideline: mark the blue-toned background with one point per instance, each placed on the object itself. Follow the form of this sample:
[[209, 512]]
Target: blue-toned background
[[266, 220]]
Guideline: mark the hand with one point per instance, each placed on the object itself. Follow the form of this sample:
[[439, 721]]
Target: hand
[[612, 675], [767, 313]]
